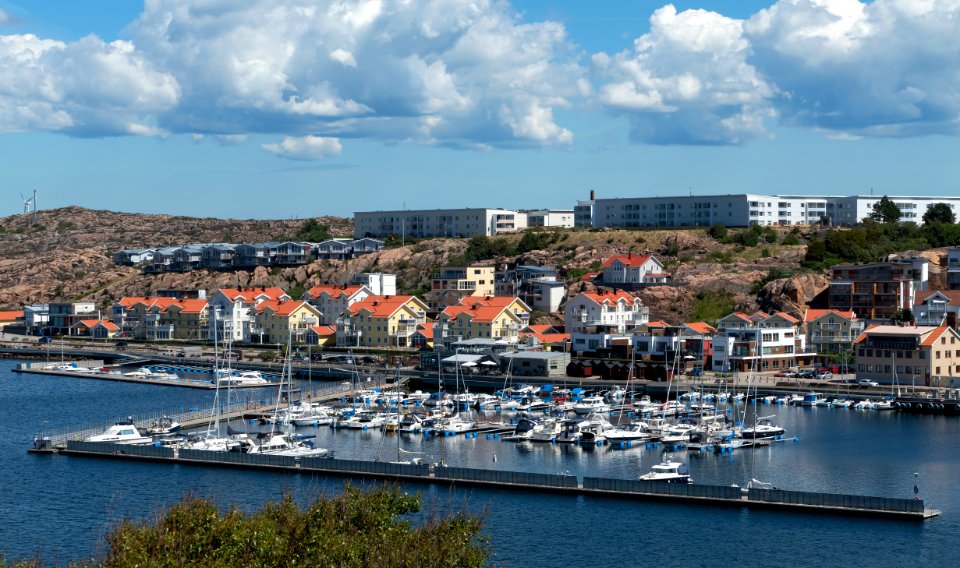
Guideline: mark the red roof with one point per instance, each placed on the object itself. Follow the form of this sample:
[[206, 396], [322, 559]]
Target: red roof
[[425, 329], [702, 327], [250, 294], [282, 308], [324, 330], [935, 335], [953, 296], [628, 259], [11, 315], [812, 314], [380, 306], [334, 290], [785, 316], [590, 276], [602, 296], [478, 313], [91, 323]]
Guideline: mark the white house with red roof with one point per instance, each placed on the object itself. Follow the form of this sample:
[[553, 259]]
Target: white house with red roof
[[233, 310], [633, 270], [832, 331], [100, 329], [596, 320], [760, 342], [332, 299]]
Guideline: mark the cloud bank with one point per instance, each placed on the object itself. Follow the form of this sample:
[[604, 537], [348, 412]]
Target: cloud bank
[[474, 74]]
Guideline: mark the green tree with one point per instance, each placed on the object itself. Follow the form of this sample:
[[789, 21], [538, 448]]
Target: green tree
[[903, 316], [718, 231], [312, 231], [938, 213], [885, 211], [356, 528]]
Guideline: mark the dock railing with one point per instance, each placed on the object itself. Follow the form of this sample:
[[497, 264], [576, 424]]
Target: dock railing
[[834, 500]]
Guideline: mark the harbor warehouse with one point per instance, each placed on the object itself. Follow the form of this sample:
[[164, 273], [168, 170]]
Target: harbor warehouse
[[537, 363]]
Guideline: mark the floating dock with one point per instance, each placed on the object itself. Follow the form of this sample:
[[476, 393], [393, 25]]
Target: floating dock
[[191, 383], [719, 495]]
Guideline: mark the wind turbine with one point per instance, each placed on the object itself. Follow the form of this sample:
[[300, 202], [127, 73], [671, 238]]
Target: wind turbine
[[27, 203]]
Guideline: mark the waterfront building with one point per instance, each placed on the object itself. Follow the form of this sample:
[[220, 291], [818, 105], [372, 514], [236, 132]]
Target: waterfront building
[[762, 342], [536, 363], [938, 308], [234, 310], [539, 287], [879, 290], [632, 271], [64, 316], [831, 331], [546, 337], [331, 300], [680, 347], [437, 223], [550, 218], [600, 319], [453, 283], [742, 210], [96, 328], [186, 319], [276, 320], [909, 355], [498, 318], [35, 318], [381, 321], [321, 335]]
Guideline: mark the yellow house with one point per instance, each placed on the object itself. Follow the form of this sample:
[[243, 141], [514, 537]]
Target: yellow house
[[453, 283], [322, 335], [276, 319], [381, 321], [488, 317], [187, 319]]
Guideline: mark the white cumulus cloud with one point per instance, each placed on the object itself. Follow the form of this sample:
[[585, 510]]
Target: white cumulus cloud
[[306, 147]]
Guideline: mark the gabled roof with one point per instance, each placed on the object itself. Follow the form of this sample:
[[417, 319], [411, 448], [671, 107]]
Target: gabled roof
[[701, 327], [628, 259], [657, 323], [11, 315], [590, 276], [478, 312], [382, 306], [926, 333], [603, 296], [324, 330], [249, 294], [935, 335], [739, 315], [425, 329], [812, 314], [783, 315], [492, 301], [283, 307], [92, 323], [953, 297], [539, 328], [334, 290]]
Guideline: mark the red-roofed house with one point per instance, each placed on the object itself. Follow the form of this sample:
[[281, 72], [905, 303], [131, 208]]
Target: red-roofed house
[[100, 329], [331, 299], [938, 308], [381, 321], [909, 355], [487, 317], [322, 335], [233, 310], [633, 270], [759, 342], [831, 331], [596, 319], [275, 320], [11, 317]]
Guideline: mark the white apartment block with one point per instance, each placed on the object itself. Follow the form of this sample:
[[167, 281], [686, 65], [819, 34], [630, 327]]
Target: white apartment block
[[596, 320], [438, 223], [551, 218], [379, 283], [746, 209], [760, 342]]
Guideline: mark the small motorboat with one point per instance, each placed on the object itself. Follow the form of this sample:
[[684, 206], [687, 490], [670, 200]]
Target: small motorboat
[[764, 428], [124, 432], [163, 426], [668, 472]]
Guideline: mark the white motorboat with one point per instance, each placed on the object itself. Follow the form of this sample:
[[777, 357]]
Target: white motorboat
[[487, 402], [141, 373], [764, 428], [121, 433], [645, 405], [885, 404], [280, 444], [627, 432], [864, 405], [668, 472], [243, 379], [366, 421], [455, 424], [411, 423], [210, 443], [418, 395], [670, 408], [548, 431], [162, 426], [524, 430], [842, 403], [591, 404]]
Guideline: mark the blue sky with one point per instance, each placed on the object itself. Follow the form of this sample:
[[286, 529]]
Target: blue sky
[[295, 108]]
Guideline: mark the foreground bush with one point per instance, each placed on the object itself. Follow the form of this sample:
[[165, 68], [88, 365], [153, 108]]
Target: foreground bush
[[357, 528]]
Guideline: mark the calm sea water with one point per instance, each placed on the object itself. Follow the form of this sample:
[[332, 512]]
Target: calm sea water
[[59, 506]]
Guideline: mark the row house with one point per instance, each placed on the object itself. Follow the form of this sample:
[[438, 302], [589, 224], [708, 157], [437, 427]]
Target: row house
[[498, 318], [161, 261], [345, 249], [162, 318], [909, 355], [132, 257], [96, 328], [453, 283], [322, 335], [879, 290], [633, 271], [187, 258], [234, 310], [539, 287], [678, 346], [276, 320], [218, 256], [938, 308], [544, 336], [831, 331], [598, 320], [331, 300], [381, 321], [761, 342]]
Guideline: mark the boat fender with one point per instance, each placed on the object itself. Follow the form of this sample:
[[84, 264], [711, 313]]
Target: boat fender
[[796, 440], [496, 436], [489, 436]]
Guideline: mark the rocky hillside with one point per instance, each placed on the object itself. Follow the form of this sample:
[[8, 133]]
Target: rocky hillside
[[69, 257]]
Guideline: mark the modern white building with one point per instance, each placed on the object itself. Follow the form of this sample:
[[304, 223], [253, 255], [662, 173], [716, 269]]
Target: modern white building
[[633, 270], [379, 283], [583, 211], [539, 287], [234, 309], [760, 342], [938, 308], [598, 320], [438, 223], [743, 210], [550, 218]]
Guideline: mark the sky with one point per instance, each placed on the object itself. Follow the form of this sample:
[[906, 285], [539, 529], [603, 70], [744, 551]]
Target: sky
[[301, 108]]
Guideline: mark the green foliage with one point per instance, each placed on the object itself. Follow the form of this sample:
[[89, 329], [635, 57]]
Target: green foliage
[[640, 240], [577, 273], [709, 306], [765, 252], [481, 247], [791, 239], [267, 356], [356, 528], [66, 225], [596, 266], [885, 211], [939, 213], [537, 240], [312, 231], [723, 257], [670, 249], [903, 316], [747, 238], [870, 241], [718, 231]]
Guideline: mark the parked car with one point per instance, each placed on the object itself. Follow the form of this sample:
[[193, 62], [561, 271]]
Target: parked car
[[45, 340], [868, 383], [785, 373], [807, 374], [825, 376], [120, 345]]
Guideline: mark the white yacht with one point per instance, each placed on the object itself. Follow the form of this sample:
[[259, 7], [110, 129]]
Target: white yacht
[[210, 443], [591, 404], [121, 433], [628, 432], [549, 430], [411, 423], [764, 428], [668, 472], [163, 425], [456, 424], [524, 430], [242, 378], [279, 444]]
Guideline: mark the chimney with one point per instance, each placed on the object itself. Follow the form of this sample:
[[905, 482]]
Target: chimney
[[592, 195]]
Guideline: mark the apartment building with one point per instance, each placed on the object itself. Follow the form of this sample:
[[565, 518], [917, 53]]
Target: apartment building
[[583, 211], [831, 331], [953, 268], [551, 218], [64, 316], [233, 310], [679, 347], [379, 283], [909, 355], [938, 308], [538, 286], [498, 318], [438, 223], [742, 210], [331, 300], [878, 290], [381, 321], [760, 343], [277, 320], [598, 320], [453, 283]]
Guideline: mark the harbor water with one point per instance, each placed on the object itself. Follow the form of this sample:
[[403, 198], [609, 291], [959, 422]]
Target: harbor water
[[59, 506]]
